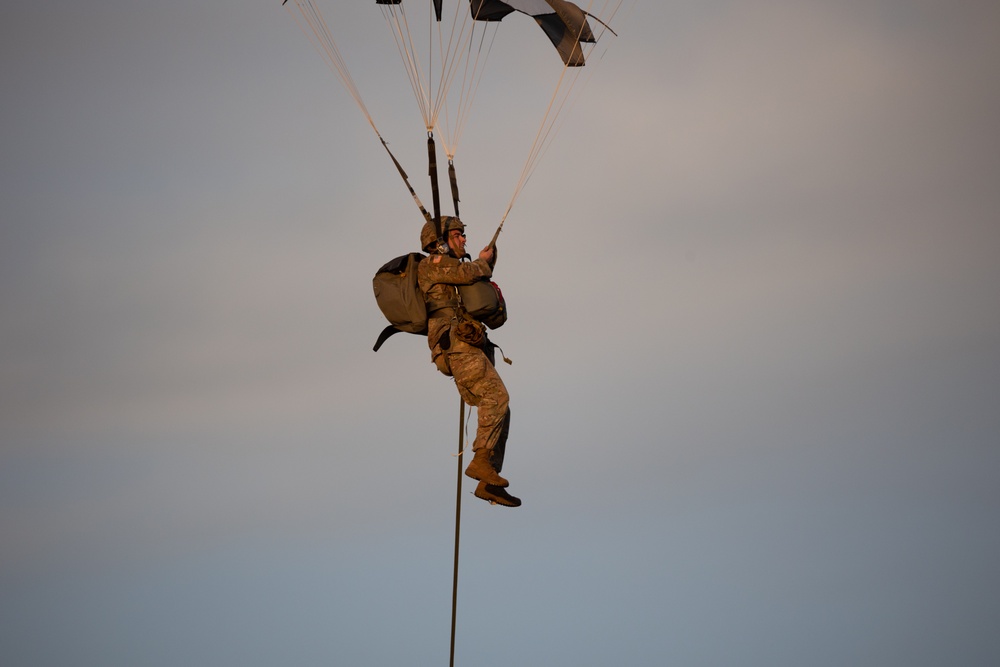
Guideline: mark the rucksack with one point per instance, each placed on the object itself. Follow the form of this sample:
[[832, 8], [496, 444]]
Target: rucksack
[[399, 297], [484, 301]]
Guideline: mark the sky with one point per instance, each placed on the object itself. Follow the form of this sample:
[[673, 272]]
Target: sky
[[754, 323]]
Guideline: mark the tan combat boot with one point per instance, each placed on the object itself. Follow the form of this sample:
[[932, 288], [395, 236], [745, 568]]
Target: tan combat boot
[[482, 469], [496, 495]]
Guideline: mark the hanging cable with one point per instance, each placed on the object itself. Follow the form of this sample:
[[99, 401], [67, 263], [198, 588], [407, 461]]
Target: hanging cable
[[458, 527]]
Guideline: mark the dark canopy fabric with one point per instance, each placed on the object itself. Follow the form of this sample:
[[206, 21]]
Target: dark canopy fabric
[[564, 23]]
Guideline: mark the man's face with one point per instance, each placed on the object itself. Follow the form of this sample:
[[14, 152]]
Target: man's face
[[456, 241]]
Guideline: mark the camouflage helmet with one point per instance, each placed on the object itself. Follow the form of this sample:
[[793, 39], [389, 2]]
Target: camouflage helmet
[[428, 234]]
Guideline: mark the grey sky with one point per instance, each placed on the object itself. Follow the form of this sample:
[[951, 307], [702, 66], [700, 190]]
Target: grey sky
[[754, 323]]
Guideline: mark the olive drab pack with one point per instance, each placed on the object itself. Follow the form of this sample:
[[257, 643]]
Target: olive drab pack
[[399, 297], [483, 300], [403, 303]]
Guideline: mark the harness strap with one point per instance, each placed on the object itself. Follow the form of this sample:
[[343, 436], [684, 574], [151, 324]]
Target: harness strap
[[443, 305], [384, 336]]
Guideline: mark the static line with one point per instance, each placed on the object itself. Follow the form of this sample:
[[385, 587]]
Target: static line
[[458, 526]]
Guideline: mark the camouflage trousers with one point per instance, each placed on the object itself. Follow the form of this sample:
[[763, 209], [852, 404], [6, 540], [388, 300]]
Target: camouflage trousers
[[480, 385]]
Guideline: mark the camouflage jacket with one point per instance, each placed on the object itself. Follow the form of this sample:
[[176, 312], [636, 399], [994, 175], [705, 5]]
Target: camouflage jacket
[[437, 276]]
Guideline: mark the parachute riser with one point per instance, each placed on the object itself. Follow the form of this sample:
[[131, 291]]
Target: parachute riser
[[453, 179], [432, 171], [435, 188], [496, 234], [406, 180]]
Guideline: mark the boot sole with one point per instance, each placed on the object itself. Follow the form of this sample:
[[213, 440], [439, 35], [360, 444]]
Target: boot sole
[[505, 500]]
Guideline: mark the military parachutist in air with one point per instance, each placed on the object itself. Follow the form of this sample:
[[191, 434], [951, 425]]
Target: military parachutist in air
[[461, 349], [461, 302]]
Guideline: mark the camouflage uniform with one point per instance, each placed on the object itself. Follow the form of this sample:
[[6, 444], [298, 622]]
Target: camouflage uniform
[[470, 365]]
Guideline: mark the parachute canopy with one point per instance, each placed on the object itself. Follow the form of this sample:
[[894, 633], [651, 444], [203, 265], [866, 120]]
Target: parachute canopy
[[564, 23], [452, 47]]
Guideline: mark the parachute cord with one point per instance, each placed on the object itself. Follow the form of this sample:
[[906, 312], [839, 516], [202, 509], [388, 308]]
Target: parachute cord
[[450, 57], [471, 79], [431, 85], [431, 112], [432, 103], [540, 143], [400, 28], [561, 99], [459, 58], [319, 35]]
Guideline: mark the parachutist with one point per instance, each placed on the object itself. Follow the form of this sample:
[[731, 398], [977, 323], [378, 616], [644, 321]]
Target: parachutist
[[461, 349]]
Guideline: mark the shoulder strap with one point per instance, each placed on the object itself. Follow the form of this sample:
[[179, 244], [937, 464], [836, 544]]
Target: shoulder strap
[[384, 336], [391, 331]]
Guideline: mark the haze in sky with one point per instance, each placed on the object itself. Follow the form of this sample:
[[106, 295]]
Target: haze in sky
[[754, 320]]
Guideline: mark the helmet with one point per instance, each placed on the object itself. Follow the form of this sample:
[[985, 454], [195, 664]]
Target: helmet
[[429, 236], [450, 222]]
